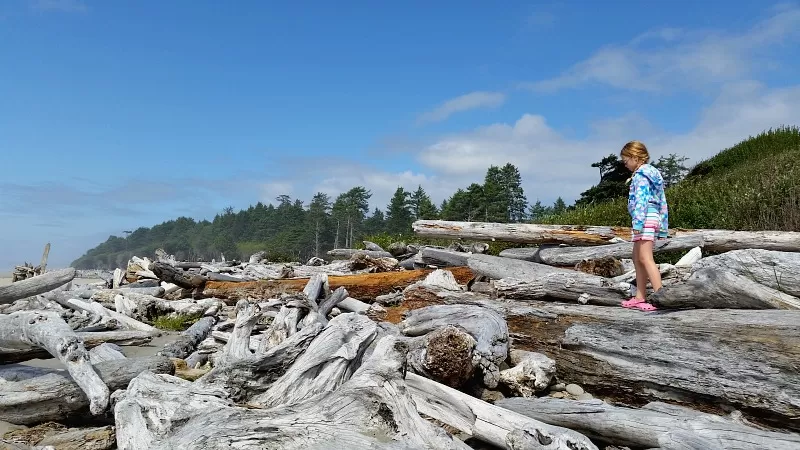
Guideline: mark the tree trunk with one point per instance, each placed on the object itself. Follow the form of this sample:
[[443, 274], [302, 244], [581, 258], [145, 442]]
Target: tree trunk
[[100, 310], [370, 410], [647, 427], [185, 344], [47, 330], [519, 232], [487, 328], [90, 339], [33, 395], [569, 256], [36, 285], [365, 286], [497, 426], [444, 355], [170, 274]]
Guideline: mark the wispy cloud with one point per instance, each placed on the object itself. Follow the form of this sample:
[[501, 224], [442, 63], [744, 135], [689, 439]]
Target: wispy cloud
[[72, 6], [668, 59], [466, 102]]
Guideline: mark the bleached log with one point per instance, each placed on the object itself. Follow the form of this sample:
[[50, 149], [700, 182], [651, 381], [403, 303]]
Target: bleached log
[[170, 274], [185, 344], [442, 258], [531, 373], [97, 438], [569, 256], [32, 395], [349, 252], [353, 305], [370, 410], [47, 330], [105, 352], [744, 358], [336, 298], [224, 277], [529, 280], [244, 378], [715, 288], [728, 240], [488, 422], [444, 355], [520, 232], [646, 427], [330, 360], [487, 328], [775, 269], [39, 284], [100, 310], [116, 280], [238, 346], [691, 257]]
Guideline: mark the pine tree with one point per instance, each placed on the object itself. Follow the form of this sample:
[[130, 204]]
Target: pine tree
[[421, 205], [398, 212]]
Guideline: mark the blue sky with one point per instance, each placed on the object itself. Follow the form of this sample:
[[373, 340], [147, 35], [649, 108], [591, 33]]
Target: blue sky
[[115, 115]]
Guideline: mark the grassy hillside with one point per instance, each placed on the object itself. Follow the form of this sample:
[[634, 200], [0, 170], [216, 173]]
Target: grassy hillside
[[754, 185]]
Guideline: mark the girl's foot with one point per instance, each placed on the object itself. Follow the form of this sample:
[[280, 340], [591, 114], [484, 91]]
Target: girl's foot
[[632, 302], [645, 307]]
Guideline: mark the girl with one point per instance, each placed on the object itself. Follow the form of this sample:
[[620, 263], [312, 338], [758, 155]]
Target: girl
[[647, 206]]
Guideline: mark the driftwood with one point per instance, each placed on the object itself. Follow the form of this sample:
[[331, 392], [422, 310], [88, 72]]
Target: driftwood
[[647, 427], [105, 352], [520, 232], [700, 358], [47, 330], [171, 274], [360, 286], [531, 373], [32, 395], [90, 339], [350, 252], [442, 258], [444, 355], [98, 438], [492, 424], [528, 280], [728, 240], [100, 310], [36, 285], [487, 328], [185, 344], [370, 410], [569, 256]]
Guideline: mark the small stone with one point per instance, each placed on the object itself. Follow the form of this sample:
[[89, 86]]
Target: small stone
[[491, 396], [574, 389], [585, 396], [557, 395], [558, 387]]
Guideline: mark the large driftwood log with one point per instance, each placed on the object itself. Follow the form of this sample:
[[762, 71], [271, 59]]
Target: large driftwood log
[[36, 285], [185, 344], [647, 426], [728, 240], [100, 310], [31, 395], [444, 355], [47, 330], [90, 339], [529, 280], [701, 358], [492, 424], [97, 438], [371, 410], [365, 286], [487, 328], [520, 232], [171, 274], [569, 256], [775, 269], [349, 252]]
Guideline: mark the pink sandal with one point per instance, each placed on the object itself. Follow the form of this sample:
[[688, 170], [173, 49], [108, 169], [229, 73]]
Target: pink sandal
[[632, 302], [645, 307]]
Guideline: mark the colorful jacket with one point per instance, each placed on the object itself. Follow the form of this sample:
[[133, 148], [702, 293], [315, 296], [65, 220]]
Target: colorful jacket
[[647, 189]]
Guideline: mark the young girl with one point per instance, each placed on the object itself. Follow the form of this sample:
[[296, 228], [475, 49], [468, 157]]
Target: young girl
[[648, 208]]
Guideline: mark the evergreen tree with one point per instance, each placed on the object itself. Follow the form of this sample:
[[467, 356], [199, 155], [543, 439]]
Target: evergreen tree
[[515, 201], [537, 211], [398, 212], [318, 219], [421, 205], [376, 223], [671, 168], [559, 206], [349, 211], [613, 175]]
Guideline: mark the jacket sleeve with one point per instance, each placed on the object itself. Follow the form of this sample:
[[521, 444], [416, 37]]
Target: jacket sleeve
[[663, 231], [641, 187]]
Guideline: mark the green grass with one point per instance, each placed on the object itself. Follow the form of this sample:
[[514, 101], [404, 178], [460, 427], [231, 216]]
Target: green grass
[[751, 186], [176, 322]]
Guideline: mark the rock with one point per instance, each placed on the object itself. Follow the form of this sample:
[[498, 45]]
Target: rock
[[491, 396], [574, 389], [558, 394], [558, 387], [585, 396]]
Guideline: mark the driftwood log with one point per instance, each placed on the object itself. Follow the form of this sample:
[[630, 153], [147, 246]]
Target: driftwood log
[[569, 256], [649, 426], [32, 395], [89, 338], [501, 427], [365, 286], [47, 330], [170, 274], [370, 410], [36, 285], [186, 343], [349, 252]]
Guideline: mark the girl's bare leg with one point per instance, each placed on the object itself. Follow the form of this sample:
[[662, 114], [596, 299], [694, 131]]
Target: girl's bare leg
[[644, 251], [641, 272]]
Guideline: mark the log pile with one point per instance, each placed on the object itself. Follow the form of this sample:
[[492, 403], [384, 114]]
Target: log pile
[[416, 347]]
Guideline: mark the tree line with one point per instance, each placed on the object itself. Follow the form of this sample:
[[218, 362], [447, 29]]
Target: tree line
[[293, 231]]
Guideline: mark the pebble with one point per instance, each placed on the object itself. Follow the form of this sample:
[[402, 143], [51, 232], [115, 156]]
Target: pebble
[[557, 387], [574, 389], [585, 396], [557, 395]]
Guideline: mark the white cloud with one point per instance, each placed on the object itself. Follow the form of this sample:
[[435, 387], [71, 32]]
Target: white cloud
[[553, 164], [668, 59], [466, 102]]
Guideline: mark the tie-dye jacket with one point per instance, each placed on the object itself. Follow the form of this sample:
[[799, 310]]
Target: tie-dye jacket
[[647, 189]]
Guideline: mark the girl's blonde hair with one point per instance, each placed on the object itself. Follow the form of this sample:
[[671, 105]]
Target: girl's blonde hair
[[635, 150]]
